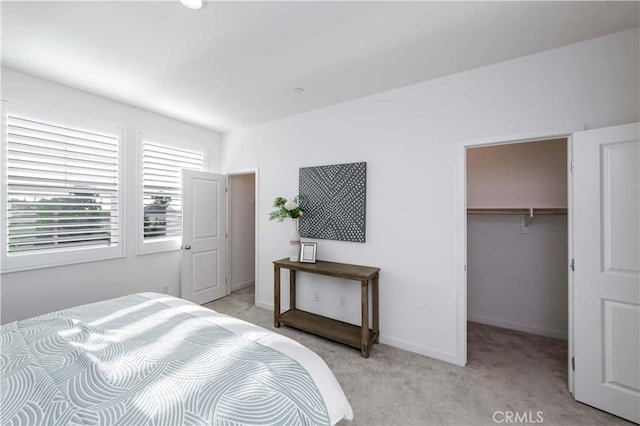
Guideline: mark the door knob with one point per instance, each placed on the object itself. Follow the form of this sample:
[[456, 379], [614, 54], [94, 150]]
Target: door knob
[[187, 247]]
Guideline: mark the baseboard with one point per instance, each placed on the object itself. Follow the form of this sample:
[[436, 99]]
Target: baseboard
[[245, 284], [421, 350], [556, 334], [266, 306]]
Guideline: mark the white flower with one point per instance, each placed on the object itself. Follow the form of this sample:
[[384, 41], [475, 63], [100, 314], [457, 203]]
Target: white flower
[[290, 205]]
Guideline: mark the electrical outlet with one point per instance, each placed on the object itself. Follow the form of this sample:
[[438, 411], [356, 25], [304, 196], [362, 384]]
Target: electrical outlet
[[316, 297], [343, 302], [165, 289]]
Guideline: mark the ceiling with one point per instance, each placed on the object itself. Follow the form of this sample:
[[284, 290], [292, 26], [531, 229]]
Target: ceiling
[[235, 64]]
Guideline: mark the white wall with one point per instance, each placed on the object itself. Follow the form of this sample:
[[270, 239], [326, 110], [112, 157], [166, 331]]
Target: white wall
[[242, 230], [25, 294], [410, 138], [516, 280]]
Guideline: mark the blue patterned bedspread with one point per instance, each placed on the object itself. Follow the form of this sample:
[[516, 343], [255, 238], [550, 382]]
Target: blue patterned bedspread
[[135, 361]]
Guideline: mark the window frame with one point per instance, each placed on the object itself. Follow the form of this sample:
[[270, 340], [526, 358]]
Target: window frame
[[17, 262], [166, 244]]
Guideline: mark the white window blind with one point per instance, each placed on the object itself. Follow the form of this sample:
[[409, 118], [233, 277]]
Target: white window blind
[[62, 187], [162, 187]]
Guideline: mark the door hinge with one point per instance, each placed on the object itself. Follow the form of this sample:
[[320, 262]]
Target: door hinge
[[226, 189], [573, 364], [573, 265], [225, 280], [571, 165], [226, 235]]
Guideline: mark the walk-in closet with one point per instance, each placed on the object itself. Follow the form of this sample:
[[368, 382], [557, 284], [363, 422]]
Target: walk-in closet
[[517, 261]]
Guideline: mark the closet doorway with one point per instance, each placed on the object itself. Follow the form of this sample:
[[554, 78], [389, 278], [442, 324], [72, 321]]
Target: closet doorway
[[241, 231], [517, 257]]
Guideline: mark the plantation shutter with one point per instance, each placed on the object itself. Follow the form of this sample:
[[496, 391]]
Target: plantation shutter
[[62, 187], [162, 187]]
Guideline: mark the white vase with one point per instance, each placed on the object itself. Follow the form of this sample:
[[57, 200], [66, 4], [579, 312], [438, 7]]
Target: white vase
[[294, 242]]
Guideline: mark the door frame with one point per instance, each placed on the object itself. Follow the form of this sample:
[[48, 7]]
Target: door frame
[[461, 231], [256, 180]]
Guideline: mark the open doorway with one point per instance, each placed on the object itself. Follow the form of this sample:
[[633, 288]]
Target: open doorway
[[242, 231], [600, 344], [517, 259]]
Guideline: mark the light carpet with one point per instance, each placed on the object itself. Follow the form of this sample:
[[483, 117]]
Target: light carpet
[[506, 371]]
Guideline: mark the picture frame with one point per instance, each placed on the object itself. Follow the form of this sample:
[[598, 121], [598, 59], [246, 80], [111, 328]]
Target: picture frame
[[334, 201], [308, 252]]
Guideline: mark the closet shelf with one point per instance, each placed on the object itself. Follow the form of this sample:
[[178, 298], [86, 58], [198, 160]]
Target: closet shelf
[[529, 212]]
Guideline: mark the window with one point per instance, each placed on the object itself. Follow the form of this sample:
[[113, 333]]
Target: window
[[162, 194], [61, 195]]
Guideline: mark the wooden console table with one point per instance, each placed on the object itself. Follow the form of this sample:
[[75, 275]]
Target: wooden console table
[[359, 337]]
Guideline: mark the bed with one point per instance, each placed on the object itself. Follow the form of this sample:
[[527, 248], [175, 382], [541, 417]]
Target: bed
[[153, 359]]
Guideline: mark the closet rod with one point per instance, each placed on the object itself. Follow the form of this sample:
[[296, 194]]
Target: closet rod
[[518, 211]]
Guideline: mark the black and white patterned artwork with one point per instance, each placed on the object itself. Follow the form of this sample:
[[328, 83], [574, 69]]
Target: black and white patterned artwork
[[333, 199]]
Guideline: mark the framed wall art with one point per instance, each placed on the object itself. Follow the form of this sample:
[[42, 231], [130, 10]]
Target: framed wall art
[[334, 201]]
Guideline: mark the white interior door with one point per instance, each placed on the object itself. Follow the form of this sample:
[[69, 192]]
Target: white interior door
[[607, 269], [203, 236]]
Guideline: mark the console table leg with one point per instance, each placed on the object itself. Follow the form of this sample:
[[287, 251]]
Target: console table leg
[[292, 289], [276, 296], [364, 336], [374, 303]]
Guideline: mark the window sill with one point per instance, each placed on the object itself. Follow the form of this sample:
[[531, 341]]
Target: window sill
[[158, 246], [11, 270]]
